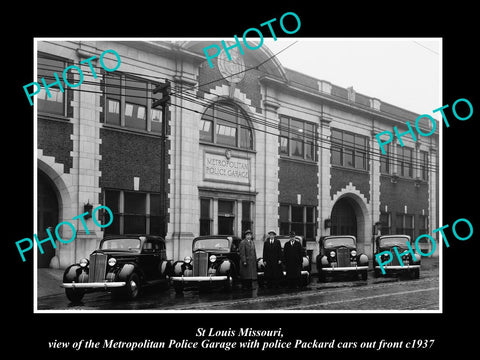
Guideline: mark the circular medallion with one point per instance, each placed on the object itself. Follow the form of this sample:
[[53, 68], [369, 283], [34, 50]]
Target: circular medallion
[[232, 70]]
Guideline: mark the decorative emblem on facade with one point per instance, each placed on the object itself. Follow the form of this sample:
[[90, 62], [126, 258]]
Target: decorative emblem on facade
[[228, 154], [232, 70]]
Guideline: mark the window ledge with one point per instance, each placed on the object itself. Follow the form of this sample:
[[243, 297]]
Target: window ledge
[[301, 161], [49, 116], [202, 142], [360, 171], [131, 131]]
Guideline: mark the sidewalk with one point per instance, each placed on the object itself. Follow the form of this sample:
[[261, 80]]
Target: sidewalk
[[49, 281]]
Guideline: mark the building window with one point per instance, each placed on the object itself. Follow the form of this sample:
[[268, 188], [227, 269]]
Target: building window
[[247, 222], [298, 218], [130, 214], [385, 161], [423, 225], [128, 103], [405, 161], [386, 223], [205, 217], [225, 123], [298, 139], [424, 165], [46, 68], [349, 149], [405, 224], [226, 217]]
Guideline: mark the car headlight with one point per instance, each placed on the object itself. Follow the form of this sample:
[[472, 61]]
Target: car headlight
[[187, 259], [353, 253], [112, 261], [332, 253], [212, 258], [83, 262]]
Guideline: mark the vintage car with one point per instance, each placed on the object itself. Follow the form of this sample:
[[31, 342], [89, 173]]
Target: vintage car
[[387, 243], [215, 260], [338, 254], [306, 265], [122, 264]]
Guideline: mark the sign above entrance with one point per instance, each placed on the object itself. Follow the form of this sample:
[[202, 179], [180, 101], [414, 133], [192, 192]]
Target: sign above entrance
[[226, 168]]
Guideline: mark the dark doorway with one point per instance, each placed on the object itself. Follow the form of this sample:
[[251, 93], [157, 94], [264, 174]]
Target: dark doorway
[[344, 220], [47, 213], [226, 217]]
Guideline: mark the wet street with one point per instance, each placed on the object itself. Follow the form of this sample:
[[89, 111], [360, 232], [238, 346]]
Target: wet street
[[389, 293]]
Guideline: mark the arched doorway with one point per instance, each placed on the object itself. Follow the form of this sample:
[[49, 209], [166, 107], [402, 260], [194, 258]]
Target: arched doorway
[[344, 220], [47, 216]]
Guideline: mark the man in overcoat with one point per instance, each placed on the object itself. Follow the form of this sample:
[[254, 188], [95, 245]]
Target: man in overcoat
[[293, 258], [272, 259], [248, 260]]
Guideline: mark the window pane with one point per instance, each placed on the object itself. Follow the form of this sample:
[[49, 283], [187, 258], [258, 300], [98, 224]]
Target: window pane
[[112, 86], [296, 128], [309, 151], [155, 204], [156, 122], [310, 214], [246, 211], [136, 91], [360, 160], [134, 224], [246, 138], [283, 145], [205, 227], [284, 213], [336, 156], [409, 221], [348, 157], [55, 102], [134, 203], [348, 141], [225, 207], [336, 136], [205, 208], [206, 133], [297, 148], [298, 228], [360, 142], [226, 114], [284, 126], [226, 135], [297, 213], [284, 228], [111, 200], [135, 116]]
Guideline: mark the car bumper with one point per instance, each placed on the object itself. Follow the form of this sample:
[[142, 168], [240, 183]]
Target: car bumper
[[303, 273], [94, 285], [398, 267], [346, 268], [198, 279]]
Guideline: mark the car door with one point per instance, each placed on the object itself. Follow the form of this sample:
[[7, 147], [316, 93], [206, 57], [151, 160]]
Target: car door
[[150, 258]]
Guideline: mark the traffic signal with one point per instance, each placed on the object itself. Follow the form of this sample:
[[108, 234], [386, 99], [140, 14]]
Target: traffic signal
[[164, 89]]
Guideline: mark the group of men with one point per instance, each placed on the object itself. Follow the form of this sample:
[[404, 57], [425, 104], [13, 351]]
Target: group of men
[[273, 258]]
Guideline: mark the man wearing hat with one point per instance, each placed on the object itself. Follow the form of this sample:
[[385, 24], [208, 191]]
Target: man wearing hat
[[292, 254], [272, 259], [248, 260]]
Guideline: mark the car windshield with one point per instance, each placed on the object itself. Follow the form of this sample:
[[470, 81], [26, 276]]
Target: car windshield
[[121, 244], [218, 244], [394, 241], [341, 241]]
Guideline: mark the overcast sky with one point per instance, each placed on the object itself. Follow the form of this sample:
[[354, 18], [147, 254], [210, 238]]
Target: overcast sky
[[405, 72]]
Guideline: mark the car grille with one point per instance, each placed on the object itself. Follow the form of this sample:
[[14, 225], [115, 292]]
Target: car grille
[[98, 266], [394, 259], [343, 257], [200, 263]]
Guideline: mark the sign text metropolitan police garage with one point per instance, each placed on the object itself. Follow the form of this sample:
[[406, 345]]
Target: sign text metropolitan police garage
[[220, 168]]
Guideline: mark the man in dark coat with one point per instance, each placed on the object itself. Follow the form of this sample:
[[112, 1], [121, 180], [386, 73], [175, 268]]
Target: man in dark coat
[[272, 259], [293, 258], [248, 260]]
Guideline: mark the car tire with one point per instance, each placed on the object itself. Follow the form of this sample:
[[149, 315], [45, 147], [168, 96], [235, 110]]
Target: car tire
[[132, 288], [74, 295], [416, 274], [178, 288], [305, 281], [376, 273], [321, 277], [364, 275]]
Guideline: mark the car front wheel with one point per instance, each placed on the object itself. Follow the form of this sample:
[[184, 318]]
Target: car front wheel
[[74, 295], [132, 288]]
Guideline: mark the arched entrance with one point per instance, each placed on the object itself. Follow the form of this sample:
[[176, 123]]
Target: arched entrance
[[344, 220], [47, 216], [350, 217]]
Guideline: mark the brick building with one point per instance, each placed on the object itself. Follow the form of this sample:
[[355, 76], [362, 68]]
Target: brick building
[[246, 144]]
